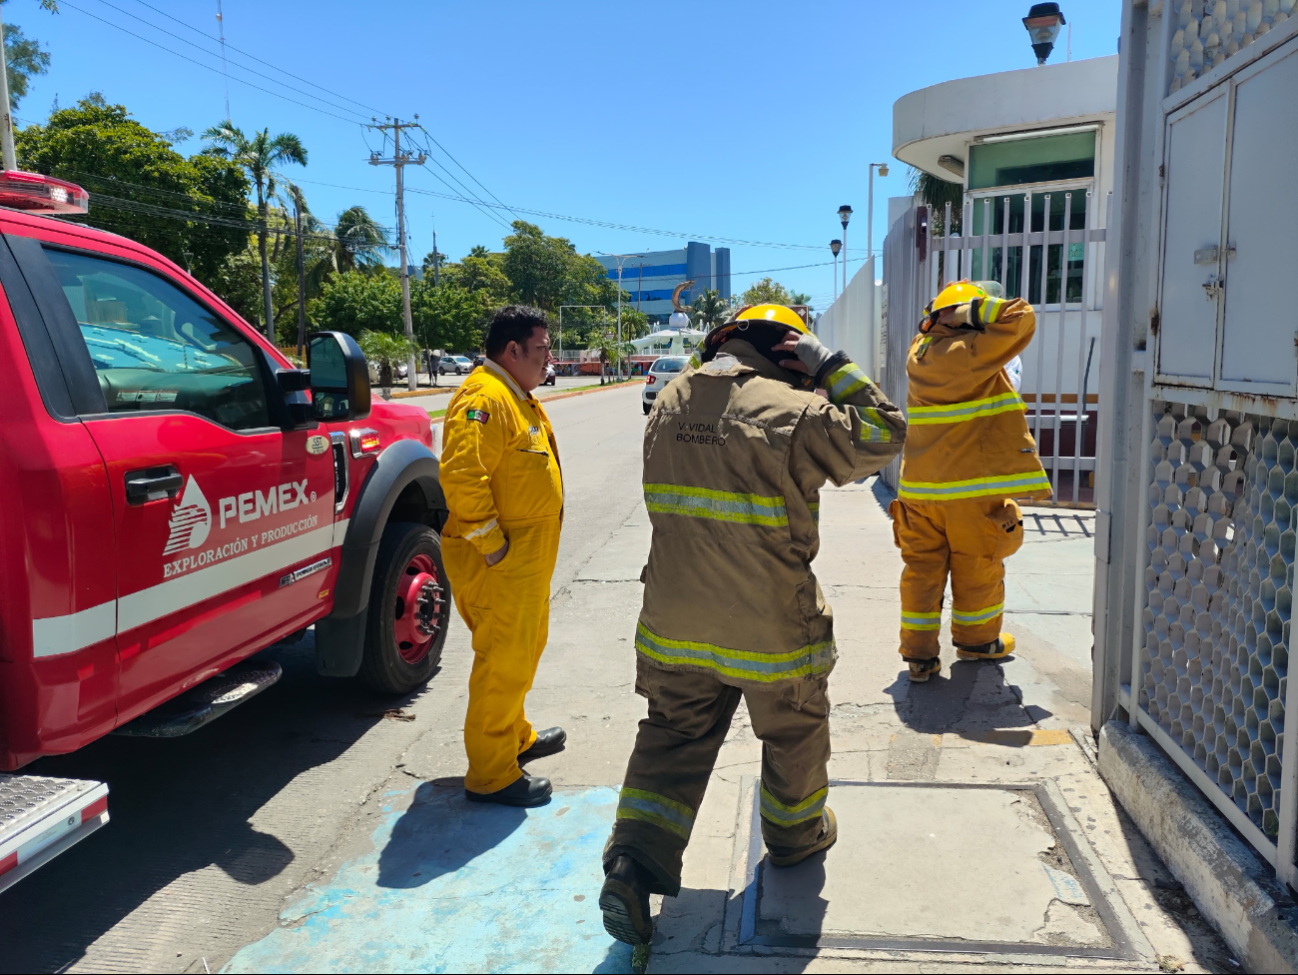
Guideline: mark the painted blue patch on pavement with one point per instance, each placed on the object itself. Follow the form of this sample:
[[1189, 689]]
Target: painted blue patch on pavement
[[453, 886]]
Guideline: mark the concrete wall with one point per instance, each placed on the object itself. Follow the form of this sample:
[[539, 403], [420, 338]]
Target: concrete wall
[[852, 323]]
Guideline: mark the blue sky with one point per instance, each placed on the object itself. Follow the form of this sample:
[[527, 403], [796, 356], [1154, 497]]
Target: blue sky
[[752, 121]]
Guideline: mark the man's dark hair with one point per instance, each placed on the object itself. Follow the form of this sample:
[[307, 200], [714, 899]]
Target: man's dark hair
[[513, 323]]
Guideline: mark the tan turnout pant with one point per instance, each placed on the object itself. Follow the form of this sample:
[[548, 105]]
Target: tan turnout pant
[[677, 745]]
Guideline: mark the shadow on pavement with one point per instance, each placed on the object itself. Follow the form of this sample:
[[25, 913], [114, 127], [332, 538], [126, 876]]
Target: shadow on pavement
[[179, 805], [967, 696], [441, 832]]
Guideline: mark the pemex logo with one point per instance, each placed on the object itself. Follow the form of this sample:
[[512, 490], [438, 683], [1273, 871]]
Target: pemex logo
[[191, 521]]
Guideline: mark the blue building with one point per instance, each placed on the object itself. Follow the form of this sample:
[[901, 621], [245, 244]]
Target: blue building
[[651, 277]]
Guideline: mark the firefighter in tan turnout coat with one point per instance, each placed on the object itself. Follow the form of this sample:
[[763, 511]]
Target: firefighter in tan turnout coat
[[735, 453]]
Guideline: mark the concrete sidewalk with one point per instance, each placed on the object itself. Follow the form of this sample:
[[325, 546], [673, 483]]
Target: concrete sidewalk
[[975, 831]]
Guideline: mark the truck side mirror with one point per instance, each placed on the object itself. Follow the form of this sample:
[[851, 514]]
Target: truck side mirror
[[340, 377]]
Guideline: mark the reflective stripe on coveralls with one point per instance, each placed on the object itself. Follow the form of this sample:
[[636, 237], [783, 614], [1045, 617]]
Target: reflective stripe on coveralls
[[649, 807], [844, 381], [1003, 485], [816, 658], [778, 813], [969, 410], [696, 502]]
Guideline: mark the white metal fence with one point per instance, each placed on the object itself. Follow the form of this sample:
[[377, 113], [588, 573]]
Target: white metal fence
[[1055, 268]]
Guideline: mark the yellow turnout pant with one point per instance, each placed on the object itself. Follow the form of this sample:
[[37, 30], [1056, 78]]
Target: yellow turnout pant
[[968, 540], [507, 606]]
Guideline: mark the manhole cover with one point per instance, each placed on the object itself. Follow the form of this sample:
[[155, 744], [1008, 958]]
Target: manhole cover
[[936, 866]]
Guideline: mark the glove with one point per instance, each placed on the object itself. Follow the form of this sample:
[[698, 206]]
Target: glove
[[812, 354]]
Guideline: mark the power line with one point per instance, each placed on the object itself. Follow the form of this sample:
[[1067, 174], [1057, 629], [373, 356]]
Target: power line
[[307, 81], [209, 67], [260, 74]]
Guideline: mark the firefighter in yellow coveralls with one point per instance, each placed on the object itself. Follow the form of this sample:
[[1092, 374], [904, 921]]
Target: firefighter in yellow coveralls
[[500, 472], [968, 455]]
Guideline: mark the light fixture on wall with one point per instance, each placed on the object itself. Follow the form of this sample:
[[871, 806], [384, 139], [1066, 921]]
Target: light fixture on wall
[[952, 164], [1043, 22]]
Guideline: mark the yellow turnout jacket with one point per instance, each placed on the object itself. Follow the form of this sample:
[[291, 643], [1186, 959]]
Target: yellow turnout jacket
[[968, 435]]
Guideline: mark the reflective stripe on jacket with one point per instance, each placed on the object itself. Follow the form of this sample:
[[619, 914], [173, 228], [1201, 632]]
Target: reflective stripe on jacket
[[500, 464], [734, 460], [968, 429]]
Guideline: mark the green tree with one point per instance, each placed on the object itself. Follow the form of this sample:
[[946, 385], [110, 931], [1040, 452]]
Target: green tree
[[357, 302], [361, 242], [449, 317], [258, 157], [140, 186], [548, 271], [765, 292], [480, 273], [385, 350], [800, 298], [709, 309]]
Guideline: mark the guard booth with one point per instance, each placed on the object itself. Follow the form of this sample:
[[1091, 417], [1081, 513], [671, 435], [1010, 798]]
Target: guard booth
[[1198, 482]]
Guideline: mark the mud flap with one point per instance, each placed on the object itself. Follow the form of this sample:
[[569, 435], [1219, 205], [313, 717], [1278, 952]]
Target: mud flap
[[340, 644]]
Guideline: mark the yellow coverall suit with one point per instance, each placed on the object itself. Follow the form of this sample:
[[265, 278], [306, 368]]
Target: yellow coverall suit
[[500, 472], [967, 455]]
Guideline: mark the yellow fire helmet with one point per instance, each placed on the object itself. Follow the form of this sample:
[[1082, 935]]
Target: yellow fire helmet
[[763, 326], [957, 293]]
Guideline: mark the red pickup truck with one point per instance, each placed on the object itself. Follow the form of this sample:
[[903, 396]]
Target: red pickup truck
[[177, 496]]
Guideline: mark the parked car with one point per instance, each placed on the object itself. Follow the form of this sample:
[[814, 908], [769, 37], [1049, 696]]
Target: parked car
[[479, 360], [549, 379], [456, 364], [664, 370], [179, 496]]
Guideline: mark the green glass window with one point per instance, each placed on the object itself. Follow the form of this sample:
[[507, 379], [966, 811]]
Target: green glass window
[[1043, 160]]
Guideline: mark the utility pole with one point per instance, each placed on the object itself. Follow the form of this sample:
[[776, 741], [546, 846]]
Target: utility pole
[[225, 69], [399, 161], [639, 287], [620, 258], [437, 260], [301, 273], [10, 159]]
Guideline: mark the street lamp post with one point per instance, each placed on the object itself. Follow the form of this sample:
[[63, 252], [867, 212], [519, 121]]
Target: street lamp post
[[620, 258], [835, 246], [869, 214], [845, 214]]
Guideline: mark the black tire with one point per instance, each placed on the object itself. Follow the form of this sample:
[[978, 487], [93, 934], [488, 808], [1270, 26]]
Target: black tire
[[647, 408], [382, 666]]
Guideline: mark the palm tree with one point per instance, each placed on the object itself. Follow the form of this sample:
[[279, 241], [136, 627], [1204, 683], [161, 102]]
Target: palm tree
[[361, 241], [710, 309], [385, 349], [258, 157]]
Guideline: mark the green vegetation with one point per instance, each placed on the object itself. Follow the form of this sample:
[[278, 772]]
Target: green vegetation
[[137, 180]]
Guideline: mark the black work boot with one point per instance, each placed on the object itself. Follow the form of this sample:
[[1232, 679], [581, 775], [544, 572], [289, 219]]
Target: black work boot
[[625, 902], [548, 742], [530, 790]]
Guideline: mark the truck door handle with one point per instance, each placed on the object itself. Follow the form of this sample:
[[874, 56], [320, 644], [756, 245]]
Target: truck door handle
[[153, 484]]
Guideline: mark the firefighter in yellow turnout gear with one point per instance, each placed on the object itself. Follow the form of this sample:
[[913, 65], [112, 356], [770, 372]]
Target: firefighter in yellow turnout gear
[[500, 472], [736, 451], [968, 455]]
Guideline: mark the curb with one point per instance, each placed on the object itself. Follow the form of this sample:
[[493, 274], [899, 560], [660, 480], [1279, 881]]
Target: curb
[[576, 392], [1232, 886]]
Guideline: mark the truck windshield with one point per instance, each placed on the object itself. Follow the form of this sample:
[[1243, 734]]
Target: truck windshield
[[154, 347]]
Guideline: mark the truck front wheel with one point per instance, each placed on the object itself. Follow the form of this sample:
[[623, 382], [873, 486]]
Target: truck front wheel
[[410, 605]]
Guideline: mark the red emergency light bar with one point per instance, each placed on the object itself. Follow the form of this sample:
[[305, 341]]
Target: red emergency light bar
[[41, 194]]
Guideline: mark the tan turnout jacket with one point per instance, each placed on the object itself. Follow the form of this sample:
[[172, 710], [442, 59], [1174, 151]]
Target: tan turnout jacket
[[734, 459]]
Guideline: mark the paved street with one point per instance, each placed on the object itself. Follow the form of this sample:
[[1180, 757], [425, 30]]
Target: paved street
[[314, 829]]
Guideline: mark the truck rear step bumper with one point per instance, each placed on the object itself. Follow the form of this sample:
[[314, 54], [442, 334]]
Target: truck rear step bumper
[[41, 816]]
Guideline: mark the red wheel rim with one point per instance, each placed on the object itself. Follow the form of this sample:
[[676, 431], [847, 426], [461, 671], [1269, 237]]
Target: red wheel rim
[[420, 609]]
